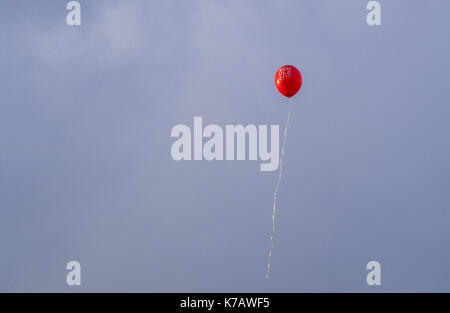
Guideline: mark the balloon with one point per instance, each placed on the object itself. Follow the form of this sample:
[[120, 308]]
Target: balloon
[[288, 80]]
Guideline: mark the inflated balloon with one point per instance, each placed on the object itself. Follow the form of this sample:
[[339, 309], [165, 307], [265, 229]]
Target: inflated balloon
[[288, 80]]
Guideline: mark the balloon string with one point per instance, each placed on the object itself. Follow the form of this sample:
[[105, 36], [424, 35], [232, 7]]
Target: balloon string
[[276, 191]]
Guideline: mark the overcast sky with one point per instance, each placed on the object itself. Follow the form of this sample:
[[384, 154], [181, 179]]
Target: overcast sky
[[86, 172]]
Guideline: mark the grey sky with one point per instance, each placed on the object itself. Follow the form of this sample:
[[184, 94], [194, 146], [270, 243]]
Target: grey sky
[[85, 166]]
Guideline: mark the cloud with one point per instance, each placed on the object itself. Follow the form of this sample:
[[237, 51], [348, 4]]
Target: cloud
[[111, 35]]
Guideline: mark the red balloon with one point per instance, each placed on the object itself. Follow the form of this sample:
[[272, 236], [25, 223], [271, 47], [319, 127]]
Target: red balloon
[[288, 80]]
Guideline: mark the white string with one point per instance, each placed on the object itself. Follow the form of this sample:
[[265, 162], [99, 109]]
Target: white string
[[276, 191]]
